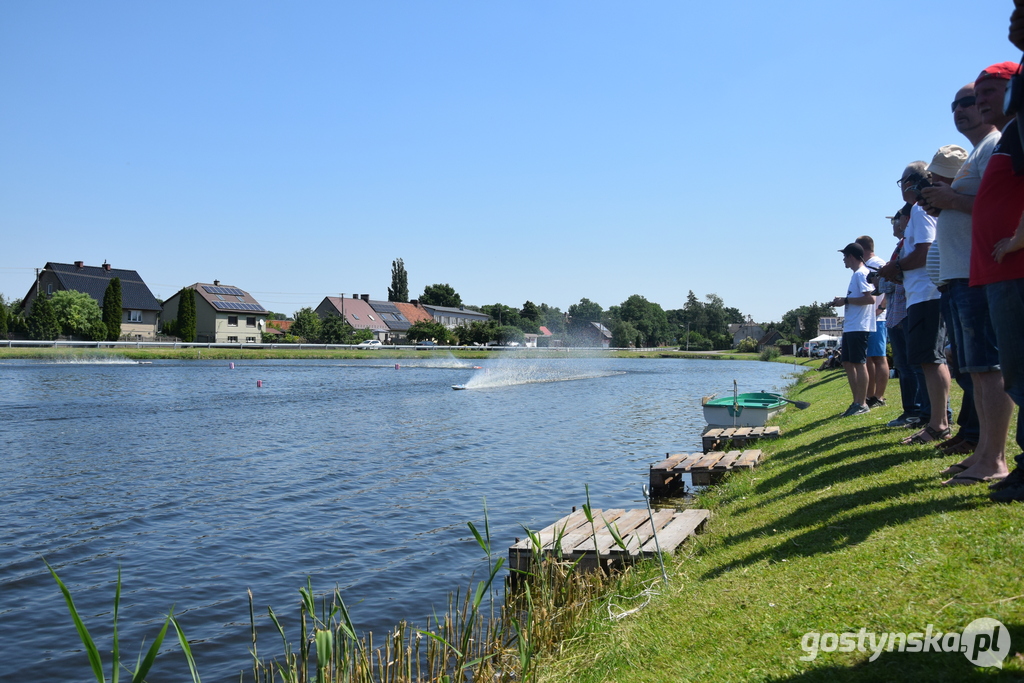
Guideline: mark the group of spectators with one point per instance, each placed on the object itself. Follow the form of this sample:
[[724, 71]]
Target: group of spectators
[[951, 298]]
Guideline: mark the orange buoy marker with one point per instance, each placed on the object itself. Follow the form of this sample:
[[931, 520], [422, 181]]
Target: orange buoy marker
[[259, 384]]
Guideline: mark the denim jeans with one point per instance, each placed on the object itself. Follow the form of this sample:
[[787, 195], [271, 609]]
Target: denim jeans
[[970, 428], [1006, 302], [911, 376]]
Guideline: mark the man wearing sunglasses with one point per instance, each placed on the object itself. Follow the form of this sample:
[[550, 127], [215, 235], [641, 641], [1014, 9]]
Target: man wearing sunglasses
[[965, 307], [997, 257]]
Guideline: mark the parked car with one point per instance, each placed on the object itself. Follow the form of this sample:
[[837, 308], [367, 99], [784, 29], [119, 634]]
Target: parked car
[[425, 342], [370, 344]]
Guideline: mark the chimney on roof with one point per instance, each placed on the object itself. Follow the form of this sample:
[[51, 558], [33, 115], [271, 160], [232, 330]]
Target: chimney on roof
[[366, 298], [414, 302], [355, 296], [79, 264], [216, 283], [106, 266]]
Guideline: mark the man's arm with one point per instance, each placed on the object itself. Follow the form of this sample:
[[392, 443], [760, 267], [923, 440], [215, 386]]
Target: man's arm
[[942, 196], [912, 261], [1009, 244]]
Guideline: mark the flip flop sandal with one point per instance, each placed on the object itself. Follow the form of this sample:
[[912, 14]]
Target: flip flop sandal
[[953, 469], [926, 435]]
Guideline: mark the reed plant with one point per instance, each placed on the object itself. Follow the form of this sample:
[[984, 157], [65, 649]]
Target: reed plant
[[478, 637], [142, 664]]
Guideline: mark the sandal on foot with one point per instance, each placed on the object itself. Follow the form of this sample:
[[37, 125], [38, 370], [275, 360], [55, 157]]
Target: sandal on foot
[[963, 480], [965, 447], [953, 469], [927, 435]]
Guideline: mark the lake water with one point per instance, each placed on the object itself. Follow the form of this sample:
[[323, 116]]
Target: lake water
[[200, 485]]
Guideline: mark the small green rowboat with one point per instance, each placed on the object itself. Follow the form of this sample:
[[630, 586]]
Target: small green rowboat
[[743, 410]]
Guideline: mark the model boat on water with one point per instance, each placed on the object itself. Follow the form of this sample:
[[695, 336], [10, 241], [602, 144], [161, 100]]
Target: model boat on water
[[743, 410]]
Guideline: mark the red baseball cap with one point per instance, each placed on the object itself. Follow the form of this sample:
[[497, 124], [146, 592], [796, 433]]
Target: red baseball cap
[[1002, 70]]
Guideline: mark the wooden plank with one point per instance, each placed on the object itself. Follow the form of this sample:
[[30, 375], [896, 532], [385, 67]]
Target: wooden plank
[[582, 538], [748, 459], [726, 462], [683, 525], [713, 432], [669, 462], [626, 526], [547, 534], [686, 464], [707, 461], [643, 532]]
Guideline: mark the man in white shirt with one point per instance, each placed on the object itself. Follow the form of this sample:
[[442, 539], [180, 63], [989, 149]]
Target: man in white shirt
[[925, 331], [858, 323]]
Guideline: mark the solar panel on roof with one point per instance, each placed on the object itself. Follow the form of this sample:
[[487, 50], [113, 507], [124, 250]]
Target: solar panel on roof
[[235, 306], [231, 291]]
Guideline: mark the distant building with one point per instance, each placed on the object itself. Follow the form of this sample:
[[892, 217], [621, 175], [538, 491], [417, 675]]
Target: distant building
[[140, 311], [830, 325], [592, 334], [224, 314], [356, 311], [454, 317], [413, 312], [395, 320], [740, 331]]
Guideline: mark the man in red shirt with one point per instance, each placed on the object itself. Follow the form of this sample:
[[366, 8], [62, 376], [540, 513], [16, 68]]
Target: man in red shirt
[[997, 251]]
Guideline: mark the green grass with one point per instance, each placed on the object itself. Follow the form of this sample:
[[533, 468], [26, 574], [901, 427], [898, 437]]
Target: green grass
[[840, 528]]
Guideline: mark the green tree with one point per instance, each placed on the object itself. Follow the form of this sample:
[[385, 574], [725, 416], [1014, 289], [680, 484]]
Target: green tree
[[78, 313], [4, 317], [647, 317], [399, 289], [530, 312], [624, 335], [440, 295], [186, 327], [307, 325], [506, 334], [334, 330], [801, 324], [552, 318], [42, 321], [112, 309], [425, 330]]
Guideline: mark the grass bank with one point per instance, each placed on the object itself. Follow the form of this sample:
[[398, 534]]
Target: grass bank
[[839, 529]]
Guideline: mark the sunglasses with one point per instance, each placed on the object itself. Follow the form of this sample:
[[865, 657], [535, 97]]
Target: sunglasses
[[963, 102]]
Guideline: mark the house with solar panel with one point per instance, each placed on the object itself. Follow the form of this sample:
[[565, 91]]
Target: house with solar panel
[[396, 321], [140, 311], [357, 312], [224, 314]]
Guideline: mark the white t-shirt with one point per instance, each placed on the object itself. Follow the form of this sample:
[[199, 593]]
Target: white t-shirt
[[920, 230], [859, 318], [874, 263]]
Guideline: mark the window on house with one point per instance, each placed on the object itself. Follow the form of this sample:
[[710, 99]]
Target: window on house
[[250, 321], [240, 298], [369, 316], [232, 340], [250, 340], [49, 288], [232, 321], [355, 316], [135, 316], [220, 297]]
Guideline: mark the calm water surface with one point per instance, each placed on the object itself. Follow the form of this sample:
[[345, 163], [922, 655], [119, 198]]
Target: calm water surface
[[200, 485]]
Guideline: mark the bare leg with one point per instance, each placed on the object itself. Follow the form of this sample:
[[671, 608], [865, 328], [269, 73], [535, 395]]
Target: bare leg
[[878, 376], [857, 376], [936, 379], [995, 408]]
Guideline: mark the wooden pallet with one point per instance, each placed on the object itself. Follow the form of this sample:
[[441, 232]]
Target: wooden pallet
[[717, 438], [573, 538], [666, 477]]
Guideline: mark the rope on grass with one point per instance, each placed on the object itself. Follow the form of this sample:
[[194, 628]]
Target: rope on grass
[[647, 594]]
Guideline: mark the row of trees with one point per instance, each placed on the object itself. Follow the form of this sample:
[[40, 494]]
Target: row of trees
[[67, 312], [333, 329]]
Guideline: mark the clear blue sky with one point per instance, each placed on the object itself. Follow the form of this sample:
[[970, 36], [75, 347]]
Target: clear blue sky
[[517, 150]]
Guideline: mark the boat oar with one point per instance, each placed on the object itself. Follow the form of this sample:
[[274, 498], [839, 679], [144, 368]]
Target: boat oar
[[801, 405]]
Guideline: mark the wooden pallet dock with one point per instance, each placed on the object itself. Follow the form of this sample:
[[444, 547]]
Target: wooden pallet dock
[[704, 468], [717, 438], [574, 539]]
